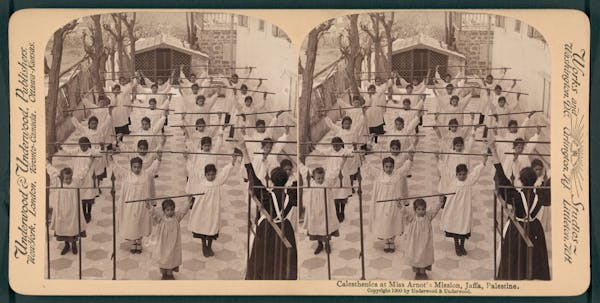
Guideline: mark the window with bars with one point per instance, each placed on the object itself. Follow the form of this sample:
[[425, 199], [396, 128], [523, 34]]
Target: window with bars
[[243, 21], [500, 21], [518, 26], [414, 64], [533, 33]]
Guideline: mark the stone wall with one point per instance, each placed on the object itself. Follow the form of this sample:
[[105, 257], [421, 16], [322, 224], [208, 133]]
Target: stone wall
[[476, 46], [217, 44]]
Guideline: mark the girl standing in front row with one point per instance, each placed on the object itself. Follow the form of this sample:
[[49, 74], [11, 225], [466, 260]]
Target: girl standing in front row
[[419, 236], [167, 252], [205, 218]]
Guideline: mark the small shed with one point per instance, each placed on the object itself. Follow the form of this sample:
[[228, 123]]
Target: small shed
[[413, 57], [158, 56]]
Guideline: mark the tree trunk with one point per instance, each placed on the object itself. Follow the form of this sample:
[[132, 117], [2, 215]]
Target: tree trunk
[[54, 83], [307, 83], [98, 56], [377, 45], [53, 87], [355, 57]]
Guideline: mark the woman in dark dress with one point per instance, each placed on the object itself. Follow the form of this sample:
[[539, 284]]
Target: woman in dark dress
[[526, 202], [269, 258]]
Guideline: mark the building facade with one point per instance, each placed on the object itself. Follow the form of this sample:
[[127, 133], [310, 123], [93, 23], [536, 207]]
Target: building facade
[[493, 41], [237, 41]]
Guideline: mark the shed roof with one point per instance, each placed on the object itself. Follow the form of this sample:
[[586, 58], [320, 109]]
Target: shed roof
[[422, 41], [166, 41]]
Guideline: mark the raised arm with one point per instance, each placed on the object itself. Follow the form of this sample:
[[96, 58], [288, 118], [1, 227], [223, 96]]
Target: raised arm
[[158, 125], [53, 172], [258, 193], [412, 124], [225, 172], [465, 102], [403, 170], [434, 210], [78, 125], [336, 129], [211, 101], [278, 147], [475, 172]]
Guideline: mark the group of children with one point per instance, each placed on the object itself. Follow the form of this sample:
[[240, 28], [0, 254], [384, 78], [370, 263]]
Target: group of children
[[365, 133], [130, 120], [141, 113]]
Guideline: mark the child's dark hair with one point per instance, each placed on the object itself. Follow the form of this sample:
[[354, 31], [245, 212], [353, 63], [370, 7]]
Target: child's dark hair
[[406, 100], [518, 141], [285, 162], [200, 122], [498, 87], [116, 86], [458, 140], [200, 97], [260, 122], [168, 203], [346, 118], [395, 143], [92, 118], [142, 143], [192, 75], [195, 85], [152, 100], [537, 162], [146, 119], [154, 85], [454, 97], [66, 171], [318, 171], [103, 97], [502, 99], [419, 203], [84, 141], [409, 86], [399, 119], [450, 85], [371, 87], [210, 168], [266, 141], [453, 122], [243, 86], [205, 140], [387, 160], [337, 140], [279, 176], [461, 168], [513, 123], [248, 98], [136, 160], [527, 176]]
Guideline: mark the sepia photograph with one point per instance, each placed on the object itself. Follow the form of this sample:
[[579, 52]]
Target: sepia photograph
[[299, 152], [424, 148], [170, 149]]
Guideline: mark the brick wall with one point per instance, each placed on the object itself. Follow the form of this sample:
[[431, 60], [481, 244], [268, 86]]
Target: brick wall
[[476, 46], [217, 44]]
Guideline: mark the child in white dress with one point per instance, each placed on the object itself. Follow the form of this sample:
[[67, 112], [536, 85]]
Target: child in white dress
[[167, 250], [419, 236]]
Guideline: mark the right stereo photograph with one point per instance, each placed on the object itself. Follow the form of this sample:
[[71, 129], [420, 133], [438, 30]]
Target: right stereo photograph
[[424, 148]]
